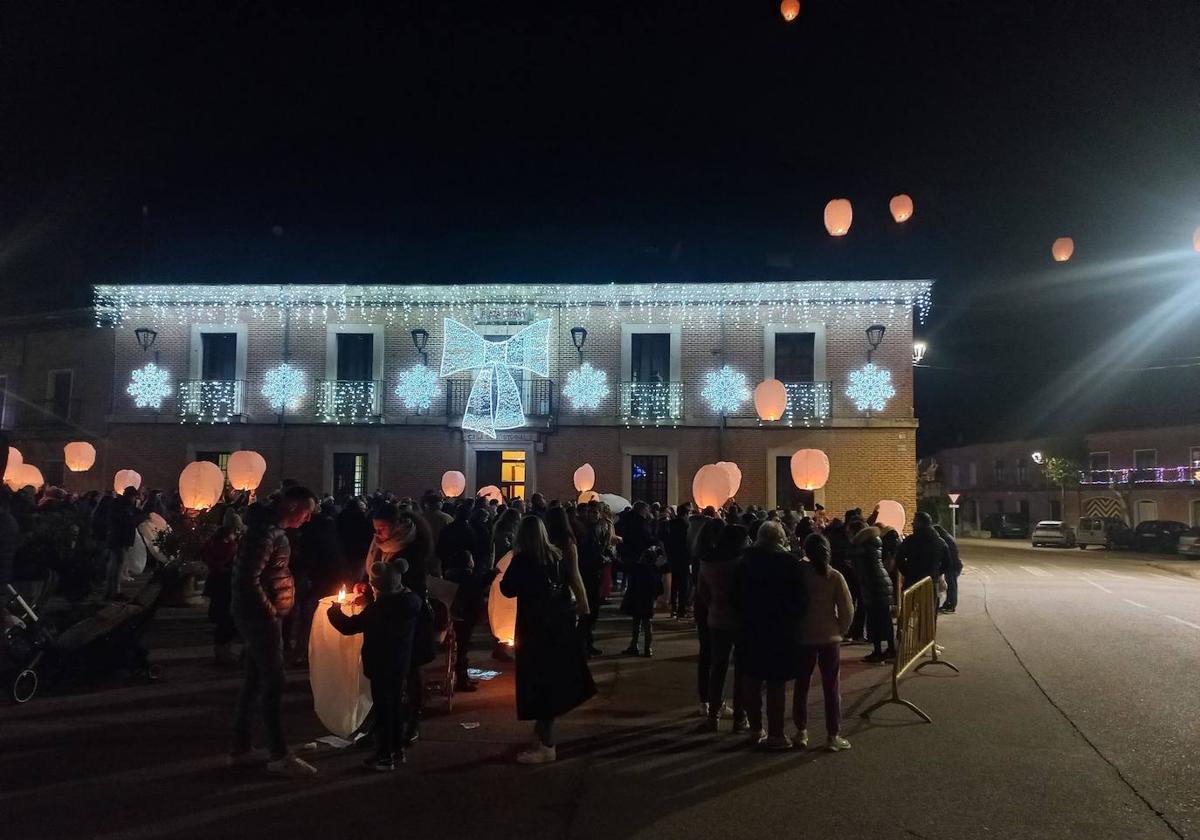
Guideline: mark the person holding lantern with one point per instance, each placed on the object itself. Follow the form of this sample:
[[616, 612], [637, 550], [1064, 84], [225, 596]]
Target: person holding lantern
[[263, 593]]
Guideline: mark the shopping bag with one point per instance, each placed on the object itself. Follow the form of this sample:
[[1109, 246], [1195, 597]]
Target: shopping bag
[[341, 694]]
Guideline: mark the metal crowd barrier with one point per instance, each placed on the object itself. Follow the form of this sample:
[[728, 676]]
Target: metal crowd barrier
[[916, 635]]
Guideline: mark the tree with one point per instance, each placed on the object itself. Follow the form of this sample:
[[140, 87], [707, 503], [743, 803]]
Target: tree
[[1063, 472]]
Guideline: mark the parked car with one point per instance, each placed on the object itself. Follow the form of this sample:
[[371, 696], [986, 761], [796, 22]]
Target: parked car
[[1006, 525], [1104, 531], [1053, 532], [1189, 543], [1161, 535]]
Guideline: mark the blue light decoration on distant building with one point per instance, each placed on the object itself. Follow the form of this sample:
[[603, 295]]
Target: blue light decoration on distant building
[[639, 472], [586, 387], [725, 390], [870, 387], [417, 387], [149, 386]]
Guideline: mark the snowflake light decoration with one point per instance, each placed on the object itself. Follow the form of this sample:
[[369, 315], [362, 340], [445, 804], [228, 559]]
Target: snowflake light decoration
[[870, 387], [149, 386], [417, 387], [586, 387], [725, 389], [284, 387]]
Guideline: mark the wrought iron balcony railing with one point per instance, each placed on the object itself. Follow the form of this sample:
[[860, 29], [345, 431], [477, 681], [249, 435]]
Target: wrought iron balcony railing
[[211, 400], [349, 401], [651, 402], [808, 401], [537, 396]]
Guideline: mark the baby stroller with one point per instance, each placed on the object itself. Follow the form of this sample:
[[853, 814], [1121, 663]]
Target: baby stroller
[[23, 644], [439, 674]]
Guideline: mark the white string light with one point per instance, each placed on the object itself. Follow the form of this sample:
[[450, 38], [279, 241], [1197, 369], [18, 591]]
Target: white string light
[[586, 387], [209, 400], [348, 401], [417, 387], [149, 386], [284, 387], [725, 389], [870, 387]]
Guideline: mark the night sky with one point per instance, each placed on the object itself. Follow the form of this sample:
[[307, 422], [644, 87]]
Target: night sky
[[699, 141]]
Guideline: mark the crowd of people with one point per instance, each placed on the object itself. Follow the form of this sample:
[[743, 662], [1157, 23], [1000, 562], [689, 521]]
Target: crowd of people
[[772, 594]]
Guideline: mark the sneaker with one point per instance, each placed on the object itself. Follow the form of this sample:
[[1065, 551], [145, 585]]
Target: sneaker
[[412, 736], [249, 758], [648, 653], [837, 743], [800, 739], [946, 610], [708, 725], [778, 743], [291, 766], [632, 650], [874, 658], [540, 754], [380, 765], [703, 709], [742, 724]]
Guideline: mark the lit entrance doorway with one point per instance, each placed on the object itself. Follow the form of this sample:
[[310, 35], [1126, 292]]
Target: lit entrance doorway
[[507, 469]]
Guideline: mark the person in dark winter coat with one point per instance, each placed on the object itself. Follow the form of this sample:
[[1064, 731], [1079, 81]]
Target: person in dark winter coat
[[875, 590], [681, 562], [593, 557], [715, 586], [922, 554], [770, 600], [263, 593], [218, 555], [708, 533], [552, 671], [953, 570], [387, 623], [644, 586]]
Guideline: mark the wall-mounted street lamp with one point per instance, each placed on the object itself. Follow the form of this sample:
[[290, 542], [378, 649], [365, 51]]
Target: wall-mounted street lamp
[[919, 348], [420, 340], [145, 337], [579, 338], [874, 337]]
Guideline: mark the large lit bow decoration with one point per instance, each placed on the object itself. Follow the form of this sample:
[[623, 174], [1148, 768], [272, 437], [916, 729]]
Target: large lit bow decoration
[[495, 400]]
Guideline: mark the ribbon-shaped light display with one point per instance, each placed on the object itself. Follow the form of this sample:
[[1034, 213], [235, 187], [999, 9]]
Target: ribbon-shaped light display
[[495, 399]]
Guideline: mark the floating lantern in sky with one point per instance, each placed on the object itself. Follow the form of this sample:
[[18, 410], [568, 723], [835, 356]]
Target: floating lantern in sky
[[246, 469], [1063, 248], [770, 399], [126, 478], [790, 9], [891, 514], [810, 469], [710, 487], [453, 484], [838, 216], [585, 478], [79, 456], [735, 476], [901, 207], [200, 485]]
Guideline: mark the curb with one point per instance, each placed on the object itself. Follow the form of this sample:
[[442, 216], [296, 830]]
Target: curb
[[1176, 570]]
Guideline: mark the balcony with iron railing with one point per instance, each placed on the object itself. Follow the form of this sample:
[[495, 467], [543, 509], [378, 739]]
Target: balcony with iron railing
[[1142, 475], [807, 401], [350, 400], [537, 396], [212, 400], [652, 403]]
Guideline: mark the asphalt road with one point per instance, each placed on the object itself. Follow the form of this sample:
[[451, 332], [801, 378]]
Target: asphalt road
[[1072, 717]]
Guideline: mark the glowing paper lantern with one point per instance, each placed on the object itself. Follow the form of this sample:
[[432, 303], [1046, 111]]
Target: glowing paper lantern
[[585, 478], [588, 496], [491, 492], [790, 9], [453, 484], [838, 215], [810, 469], [770, 399], [126, 478], [735, 476], [24, 475], [1063, 248], [710, 487], [1196, 239], [502, 611], [901, 207], [245, 469], [79, 456], [15, 460], [891, 514], [615, 503], [200, 485]]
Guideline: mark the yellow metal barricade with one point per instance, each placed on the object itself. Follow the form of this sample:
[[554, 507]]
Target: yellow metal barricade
[[916, 635]]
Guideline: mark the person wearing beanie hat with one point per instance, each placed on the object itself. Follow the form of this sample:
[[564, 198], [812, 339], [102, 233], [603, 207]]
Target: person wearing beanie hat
[[388, 623]]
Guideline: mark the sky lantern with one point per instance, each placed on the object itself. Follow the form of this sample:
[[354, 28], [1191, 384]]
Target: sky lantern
[[1196, 239], [585, 478], [1063, 248], [453, 484], [810, 469], [126, 478], [735, 476], [710, 487], [790, 9], [245, 469], [770, 399], [838, 215], [15, 459], [200, 485], [892, 514], [491, 492], [901, 207], [502, 610], [22, 476], [79, 456]]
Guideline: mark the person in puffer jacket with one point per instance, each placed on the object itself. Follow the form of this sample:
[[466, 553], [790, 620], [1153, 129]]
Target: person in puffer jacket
[[875, 584], [263, 594]]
